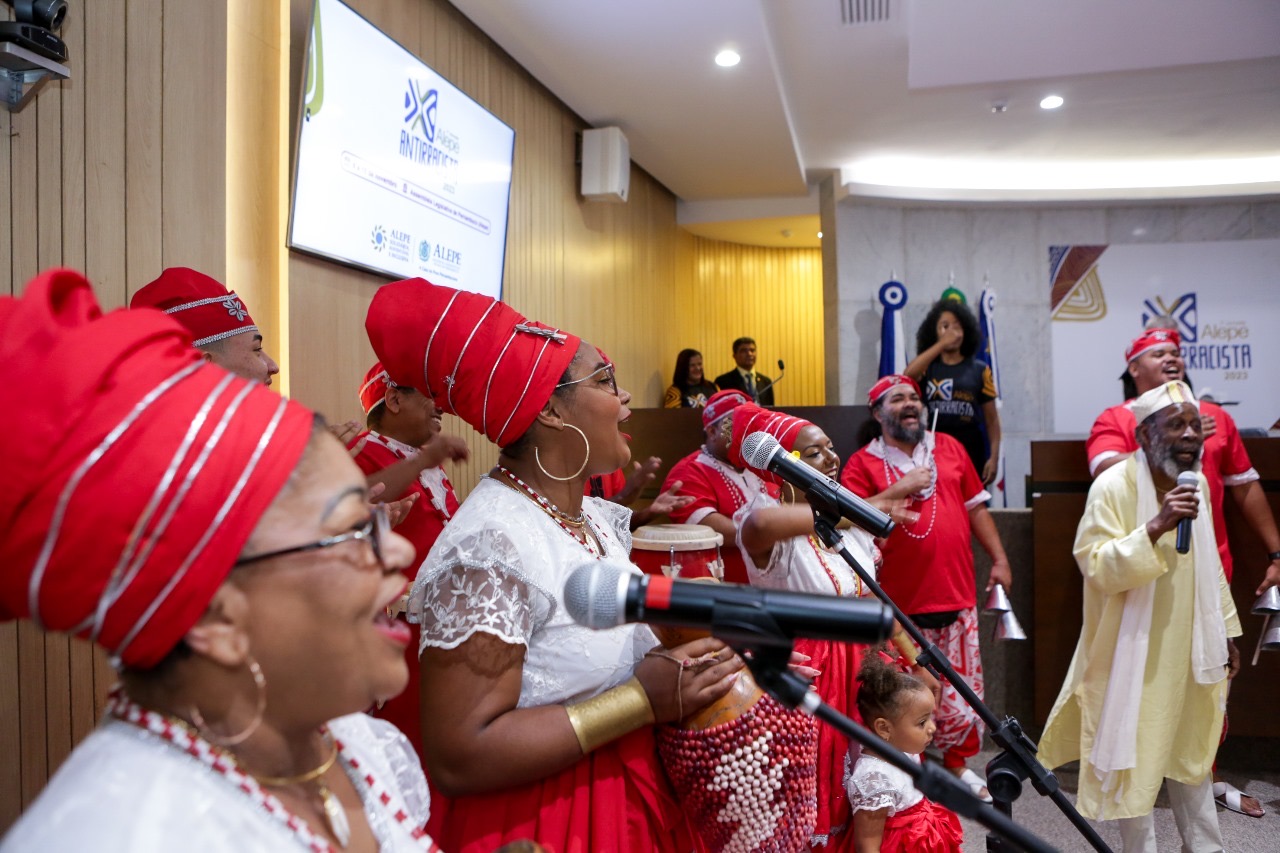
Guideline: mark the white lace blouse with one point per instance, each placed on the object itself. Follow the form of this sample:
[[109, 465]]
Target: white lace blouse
[[124, 789], [875, 784], [802, 564], [500, 567]]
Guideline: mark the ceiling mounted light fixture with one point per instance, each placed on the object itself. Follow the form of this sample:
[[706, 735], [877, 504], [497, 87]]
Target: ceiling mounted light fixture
[[1051, 102], [727, 58]]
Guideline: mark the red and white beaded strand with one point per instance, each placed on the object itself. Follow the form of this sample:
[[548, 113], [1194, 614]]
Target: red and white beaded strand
[[826, 567], [933, 498], [180, 735], [589, 539]]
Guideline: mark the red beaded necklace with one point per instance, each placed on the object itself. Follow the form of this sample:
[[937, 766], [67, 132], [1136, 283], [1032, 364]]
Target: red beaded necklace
[[589, 540], [933, 485]]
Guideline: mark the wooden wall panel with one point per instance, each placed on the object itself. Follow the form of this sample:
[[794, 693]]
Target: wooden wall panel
[[113, 172]]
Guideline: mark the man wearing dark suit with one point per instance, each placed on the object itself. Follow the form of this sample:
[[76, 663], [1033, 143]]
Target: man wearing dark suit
[[743, 377]]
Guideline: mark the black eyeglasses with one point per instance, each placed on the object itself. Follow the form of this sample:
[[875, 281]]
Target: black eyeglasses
[[375, 530], [609, 376]]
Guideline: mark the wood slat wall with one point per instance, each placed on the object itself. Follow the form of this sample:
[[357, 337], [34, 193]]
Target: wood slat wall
[[123, 170], [624, 277], [115, 172]]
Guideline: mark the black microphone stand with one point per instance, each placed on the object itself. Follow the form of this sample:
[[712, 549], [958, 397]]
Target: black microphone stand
[[753, 633], [1017, 760]]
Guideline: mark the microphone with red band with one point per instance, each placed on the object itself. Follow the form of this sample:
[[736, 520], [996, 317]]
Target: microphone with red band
[[608, 593]]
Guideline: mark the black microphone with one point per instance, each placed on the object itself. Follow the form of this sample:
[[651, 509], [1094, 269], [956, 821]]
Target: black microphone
[[608, 593], [781, 370], [762, 451], [1186, 478]]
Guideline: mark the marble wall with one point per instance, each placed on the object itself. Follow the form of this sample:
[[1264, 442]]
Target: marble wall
[[924, 247]]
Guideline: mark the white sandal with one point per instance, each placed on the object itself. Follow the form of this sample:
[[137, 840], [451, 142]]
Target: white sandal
[[976, 783], [1228, 796]]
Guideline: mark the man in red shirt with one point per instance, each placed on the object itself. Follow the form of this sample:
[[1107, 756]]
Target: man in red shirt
[[717, 486], [928, 564], [1154, 358], [403, 449]]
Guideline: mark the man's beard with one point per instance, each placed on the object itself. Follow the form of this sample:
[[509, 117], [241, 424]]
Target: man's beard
[[1160, 456], [893, 426]]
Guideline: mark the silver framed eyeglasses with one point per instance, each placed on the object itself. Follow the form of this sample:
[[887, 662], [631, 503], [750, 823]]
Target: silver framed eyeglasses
[[607, 370], [375, 530]]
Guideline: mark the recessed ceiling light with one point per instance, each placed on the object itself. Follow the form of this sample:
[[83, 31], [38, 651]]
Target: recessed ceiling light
[[1051, 102], [727, 58]]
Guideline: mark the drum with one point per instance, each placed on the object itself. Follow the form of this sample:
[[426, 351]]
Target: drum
[[678, 551], [744, 767]]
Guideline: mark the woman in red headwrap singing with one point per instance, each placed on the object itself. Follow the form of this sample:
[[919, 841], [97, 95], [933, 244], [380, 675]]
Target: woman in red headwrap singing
[[538, 728], [220, 546], [782, 551]]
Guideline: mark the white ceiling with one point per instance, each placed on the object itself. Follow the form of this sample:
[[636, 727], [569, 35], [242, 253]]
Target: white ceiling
[[1164, 98]]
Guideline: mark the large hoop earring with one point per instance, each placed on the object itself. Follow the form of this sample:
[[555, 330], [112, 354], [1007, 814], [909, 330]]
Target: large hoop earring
[[260, 682], [537, 461]]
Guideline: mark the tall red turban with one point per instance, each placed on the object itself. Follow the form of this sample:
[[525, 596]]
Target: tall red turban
[[136, 473], [203, 305], [477, 358], [749, 418]]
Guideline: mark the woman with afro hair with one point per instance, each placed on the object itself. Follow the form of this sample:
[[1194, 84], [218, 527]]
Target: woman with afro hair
[[956, 386]]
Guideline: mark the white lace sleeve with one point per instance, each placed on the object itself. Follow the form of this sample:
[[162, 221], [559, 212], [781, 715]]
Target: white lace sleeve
[[875, 785], [478, 583]]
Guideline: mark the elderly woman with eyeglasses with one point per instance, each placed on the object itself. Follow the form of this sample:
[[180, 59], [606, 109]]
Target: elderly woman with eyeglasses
[[538, 727], [217, 541]]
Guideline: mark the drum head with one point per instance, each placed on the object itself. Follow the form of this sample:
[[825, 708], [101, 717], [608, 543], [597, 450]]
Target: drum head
[[677, 537]]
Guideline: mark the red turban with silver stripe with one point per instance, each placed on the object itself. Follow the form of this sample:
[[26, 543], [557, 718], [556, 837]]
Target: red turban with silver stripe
[[203, 305], [477, 358], [374, 388], [137, 473], [749, 418]]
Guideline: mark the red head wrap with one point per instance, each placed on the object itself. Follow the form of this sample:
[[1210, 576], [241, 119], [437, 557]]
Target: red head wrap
[[374, 388], [477, 358], [885, 384], [752, 418], [201, 304], [722, 403], [1150, 340], [138, 473]]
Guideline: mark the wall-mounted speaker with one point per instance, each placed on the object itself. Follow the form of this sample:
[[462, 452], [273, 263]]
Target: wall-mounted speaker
[[606, 165]]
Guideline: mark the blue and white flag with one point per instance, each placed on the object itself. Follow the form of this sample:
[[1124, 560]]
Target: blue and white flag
[[893, 354], [987, 353]]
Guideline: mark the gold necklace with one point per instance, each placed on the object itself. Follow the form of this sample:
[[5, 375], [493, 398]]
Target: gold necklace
[[334, 814]]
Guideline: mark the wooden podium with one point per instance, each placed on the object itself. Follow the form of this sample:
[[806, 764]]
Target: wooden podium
[[1058, 485]]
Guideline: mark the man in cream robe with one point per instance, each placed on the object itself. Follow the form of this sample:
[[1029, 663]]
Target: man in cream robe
[[1144, 697]]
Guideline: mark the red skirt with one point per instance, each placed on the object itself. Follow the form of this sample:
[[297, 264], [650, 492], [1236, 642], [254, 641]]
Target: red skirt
[[615, 799], [926, 827], [838, 687]]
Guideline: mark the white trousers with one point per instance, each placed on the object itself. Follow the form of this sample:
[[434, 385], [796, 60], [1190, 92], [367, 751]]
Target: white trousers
[[1195, 813]]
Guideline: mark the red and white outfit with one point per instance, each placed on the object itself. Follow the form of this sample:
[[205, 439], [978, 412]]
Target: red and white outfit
[[436, 504], [499, 569], [928, 565], [182, 793], [914, 824], [1225, 462], [803, 564], [716, 486]]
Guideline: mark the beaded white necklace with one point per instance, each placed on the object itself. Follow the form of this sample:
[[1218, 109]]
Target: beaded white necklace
[[931, 490], [181, 736]]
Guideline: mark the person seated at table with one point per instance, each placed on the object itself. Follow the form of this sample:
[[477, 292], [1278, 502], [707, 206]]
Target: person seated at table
[[690, 388]]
